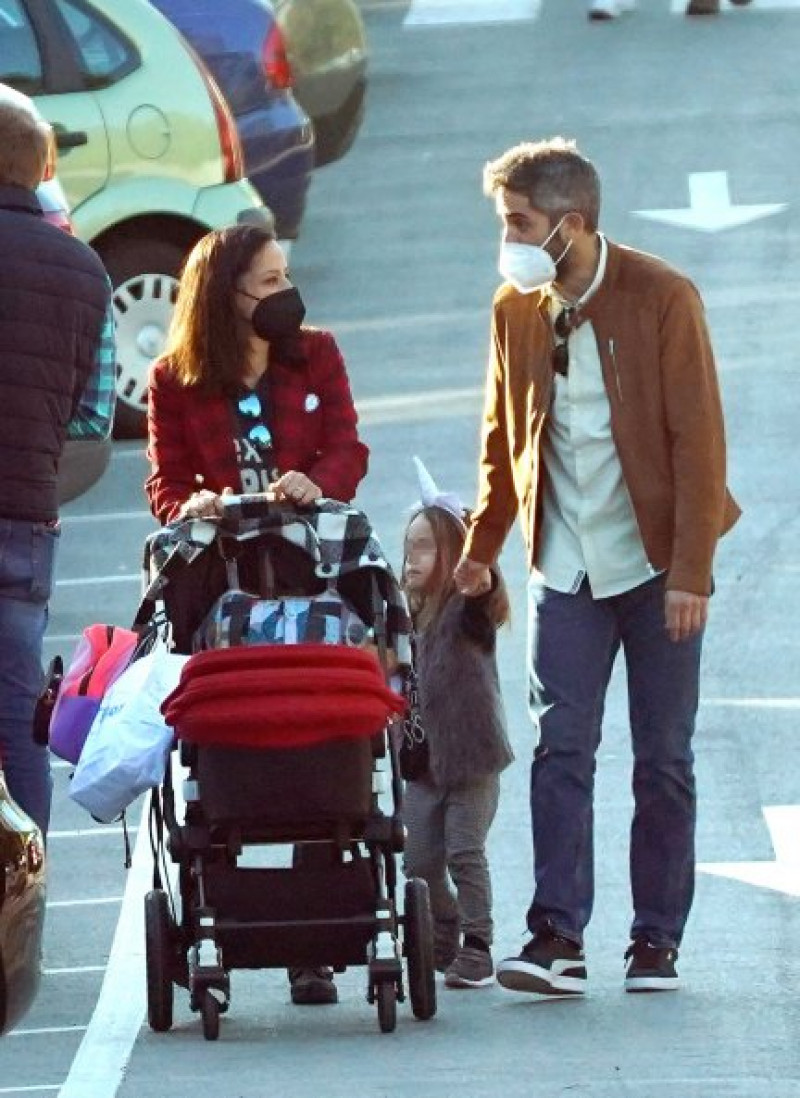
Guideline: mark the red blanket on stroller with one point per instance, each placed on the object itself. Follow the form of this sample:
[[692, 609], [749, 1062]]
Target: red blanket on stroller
[[280, 696]]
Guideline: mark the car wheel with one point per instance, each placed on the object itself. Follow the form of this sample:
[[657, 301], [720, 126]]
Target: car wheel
[[83, 462], [144, 274]]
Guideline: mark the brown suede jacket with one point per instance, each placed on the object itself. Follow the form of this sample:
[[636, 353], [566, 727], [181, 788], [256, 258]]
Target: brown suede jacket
[[666, 416]]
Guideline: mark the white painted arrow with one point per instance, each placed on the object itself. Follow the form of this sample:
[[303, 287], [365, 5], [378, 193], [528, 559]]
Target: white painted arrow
[[782, 875], [710, 208]]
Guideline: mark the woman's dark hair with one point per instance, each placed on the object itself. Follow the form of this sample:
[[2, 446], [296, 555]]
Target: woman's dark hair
[[449, 537], [206, 344]]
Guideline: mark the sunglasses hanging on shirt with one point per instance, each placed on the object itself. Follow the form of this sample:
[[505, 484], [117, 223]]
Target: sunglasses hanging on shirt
[[259, 433], [566, 321]]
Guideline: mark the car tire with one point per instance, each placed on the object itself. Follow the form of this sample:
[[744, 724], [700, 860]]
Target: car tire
[[83, 462], [144, 274]]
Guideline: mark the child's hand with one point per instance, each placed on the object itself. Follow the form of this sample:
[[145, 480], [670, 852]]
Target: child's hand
[[472, 578]]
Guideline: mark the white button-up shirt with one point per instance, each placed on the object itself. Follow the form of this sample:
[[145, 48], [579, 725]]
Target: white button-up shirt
[[589, 528]]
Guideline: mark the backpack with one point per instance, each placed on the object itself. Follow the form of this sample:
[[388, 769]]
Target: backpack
[[101, 655]]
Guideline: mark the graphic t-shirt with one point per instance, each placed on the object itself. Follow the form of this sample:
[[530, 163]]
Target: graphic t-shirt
[[255, 456]]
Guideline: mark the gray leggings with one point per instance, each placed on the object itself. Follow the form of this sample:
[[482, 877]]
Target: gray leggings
[[446, 841]]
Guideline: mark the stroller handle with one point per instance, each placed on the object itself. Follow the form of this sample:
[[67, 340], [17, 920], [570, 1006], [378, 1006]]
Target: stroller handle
[[255, 505]]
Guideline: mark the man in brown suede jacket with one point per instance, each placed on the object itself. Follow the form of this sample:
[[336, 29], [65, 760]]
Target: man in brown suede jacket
[[603, 431]]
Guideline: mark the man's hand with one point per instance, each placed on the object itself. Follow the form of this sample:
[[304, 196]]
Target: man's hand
[[296, 488], [686, 614], [472, 578]]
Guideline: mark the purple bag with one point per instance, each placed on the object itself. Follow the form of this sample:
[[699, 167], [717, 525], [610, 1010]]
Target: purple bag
[[102, 654]]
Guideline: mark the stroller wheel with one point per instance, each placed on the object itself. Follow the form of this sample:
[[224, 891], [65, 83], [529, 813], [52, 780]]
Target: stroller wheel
[[386, 995], [209, 1009], [158, 931], [418, 948]]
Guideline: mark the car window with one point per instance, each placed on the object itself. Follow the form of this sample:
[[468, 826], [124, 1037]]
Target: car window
[[105, 54], [20, 62]]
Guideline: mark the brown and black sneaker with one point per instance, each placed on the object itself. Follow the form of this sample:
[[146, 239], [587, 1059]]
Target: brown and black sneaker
[[651, 967], [548, 965]]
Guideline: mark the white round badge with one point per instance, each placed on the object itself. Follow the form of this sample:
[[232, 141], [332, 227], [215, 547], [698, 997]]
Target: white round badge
[[312, 402]]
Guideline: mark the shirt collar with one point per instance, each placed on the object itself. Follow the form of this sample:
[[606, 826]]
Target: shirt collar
[[19, 198], [594, 285]]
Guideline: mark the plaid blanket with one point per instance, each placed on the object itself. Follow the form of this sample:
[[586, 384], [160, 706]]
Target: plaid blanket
[[338, 538]]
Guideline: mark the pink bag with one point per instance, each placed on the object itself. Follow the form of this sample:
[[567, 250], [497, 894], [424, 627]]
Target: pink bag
[[101, 655]]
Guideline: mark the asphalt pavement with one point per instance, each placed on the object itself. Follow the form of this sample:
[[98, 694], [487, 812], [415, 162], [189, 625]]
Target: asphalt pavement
[[693, 125]]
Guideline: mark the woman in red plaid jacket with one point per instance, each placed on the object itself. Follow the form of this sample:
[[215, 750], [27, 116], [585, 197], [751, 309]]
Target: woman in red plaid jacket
[[244, 399]]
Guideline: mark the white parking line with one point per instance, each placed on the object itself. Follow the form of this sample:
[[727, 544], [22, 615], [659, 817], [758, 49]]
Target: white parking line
[[427, 13], [88, 832], [107, 516], [791, 704], [75, 971], [41, 1030], [45, 1087], [85, 581], [85, 903], [102, 1058]]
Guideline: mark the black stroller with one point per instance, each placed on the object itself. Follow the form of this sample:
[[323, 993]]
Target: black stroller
[[207, 582]]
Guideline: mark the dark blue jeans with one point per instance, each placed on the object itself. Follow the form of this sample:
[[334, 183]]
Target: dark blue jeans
[[574, 640], [27, 558]]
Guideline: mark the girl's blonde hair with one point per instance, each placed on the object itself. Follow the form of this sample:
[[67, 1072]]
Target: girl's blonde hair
[[449, 536]]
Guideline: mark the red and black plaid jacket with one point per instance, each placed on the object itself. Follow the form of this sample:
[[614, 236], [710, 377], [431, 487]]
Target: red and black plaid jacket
[[191, 433]]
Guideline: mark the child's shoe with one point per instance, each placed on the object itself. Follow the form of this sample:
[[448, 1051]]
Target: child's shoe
[[471, 968], [312, 986]]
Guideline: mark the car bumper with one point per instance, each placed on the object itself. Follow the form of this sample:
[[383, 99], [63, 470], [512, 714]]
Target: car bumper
[[279, 163], [231, 204]]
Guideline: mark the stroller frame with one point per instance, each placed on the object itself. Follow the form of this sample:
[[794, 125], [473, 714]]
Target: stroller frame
[[229, 916]]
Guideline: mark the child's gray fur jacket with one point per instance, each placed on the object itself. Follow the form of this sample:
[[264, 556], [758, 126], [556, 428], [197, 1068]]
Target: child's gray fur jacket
[[459, 694]]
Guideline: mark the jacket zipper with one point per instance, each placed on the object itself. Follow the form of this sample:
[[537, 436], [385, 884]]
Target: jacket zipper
[[612, 352]]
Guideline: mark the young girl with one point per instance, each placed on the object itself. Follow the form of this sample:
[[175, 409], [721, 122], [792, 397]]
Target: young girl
[[449, 810]]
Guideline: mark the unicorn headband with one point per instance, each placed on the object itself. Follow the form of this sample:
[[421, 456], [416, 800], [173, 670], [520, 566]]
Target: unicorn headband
[[432, 496]]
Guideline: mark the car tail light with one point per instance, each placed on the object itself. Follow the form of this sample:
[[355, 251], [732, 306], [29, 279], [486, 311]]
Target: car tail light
[[277, 69], [230, 145]]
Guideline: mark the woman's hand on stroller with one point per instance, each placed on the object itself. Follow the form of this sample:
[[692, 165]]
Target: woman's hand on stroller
[[296, 488], [204, 504]]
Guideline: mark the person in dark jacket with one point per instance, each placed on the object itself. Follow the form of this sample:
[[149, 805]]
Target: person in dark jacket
[[448, 811], [245, 398], [57, 363]]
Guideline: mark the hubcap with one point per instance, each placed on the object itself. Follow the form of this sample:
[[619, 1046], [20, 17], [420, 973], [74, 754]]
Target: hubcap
[[142, 310]]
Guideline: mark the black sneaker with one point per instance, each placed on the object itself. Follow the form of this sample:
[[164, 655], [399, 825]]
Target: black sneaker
[[312, 986], [651, 968], [548, 965]]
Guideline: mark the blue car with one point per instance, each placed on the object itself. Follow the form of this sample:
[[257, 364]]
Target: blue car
[[242, 45]]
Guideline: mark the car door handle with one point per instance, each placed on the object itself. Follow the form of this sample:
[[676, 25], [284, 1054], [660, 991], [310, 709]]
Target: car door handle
[[70, 139]]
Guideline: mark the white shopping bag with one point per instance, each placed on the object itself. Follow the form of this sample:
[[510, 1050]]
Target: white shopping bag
[[127, 747]]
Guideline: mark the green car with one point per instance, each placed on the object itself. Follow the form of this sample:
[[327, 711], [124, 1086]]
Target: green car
[[149, 154]]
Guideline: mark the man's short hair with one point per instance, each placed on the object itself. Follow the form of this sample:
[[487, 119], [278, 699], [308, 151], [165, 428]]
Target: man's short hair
[[554, 177], [25, 139]]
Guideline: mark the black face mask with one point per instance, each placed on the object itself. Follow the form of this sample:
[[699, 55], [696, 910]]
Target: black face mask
[[278, 316]]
